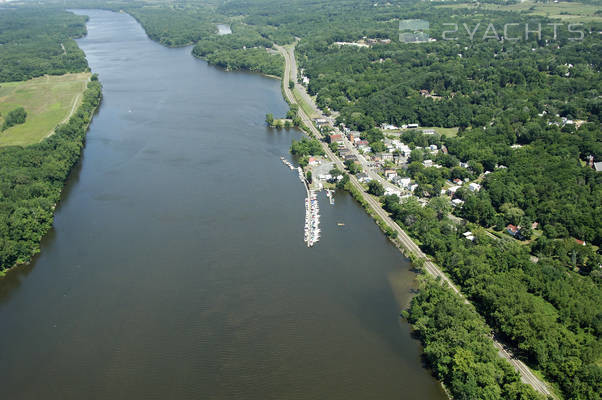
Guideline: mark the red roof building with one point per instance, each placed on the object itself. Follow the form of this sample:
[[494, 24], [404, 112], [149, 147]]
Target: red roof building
[[335, 138]]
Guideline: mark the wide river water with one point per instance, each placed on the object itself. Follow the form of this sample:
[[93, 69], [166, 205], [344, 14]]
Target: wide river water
[[177, 269]]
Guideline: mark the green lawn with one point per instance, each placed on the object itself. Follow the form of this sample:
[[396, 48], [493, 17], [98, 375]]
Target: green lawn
[[449, 132], [306, 107], [48, 101]]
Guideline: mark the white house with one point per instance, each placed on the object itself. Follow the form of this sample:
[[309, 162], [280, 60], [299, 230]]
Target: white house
[[457, 202], [468, 235], [452, 190], [474, 187], [390, 191], [404, 182]]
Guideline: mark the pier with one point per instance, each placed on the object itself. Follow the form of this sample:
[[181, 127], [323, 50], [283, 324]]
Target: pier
[[311, 234]]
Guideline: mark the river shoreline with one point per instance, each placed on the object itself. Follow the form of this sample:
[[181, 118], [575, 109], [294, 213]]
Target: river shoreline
[[181, 238], [93, 111]]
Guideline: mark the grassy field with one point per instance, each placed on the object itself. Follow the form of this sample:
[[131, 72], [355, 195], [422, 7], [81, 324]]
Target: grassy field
[[48, 101], [565, 11], [306, 107], [449, 132]]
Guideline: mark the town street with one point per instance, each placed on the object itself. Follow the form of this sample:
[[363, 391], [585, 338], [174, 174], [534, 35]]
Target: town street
[[405, 241]]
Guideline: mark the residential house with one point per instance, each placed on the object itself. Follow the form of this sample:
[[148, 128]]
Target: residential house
[[386, 156], [389, 191], [474, 187], [390, 173], [336, 138], [401, 181], [399, 159], [512, 230], [452, 190], [320, 122], [457, 202], [363, 177]]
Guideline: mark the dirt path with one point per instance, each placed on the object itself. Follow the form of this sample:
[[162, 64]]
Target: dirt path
[[68, 117]]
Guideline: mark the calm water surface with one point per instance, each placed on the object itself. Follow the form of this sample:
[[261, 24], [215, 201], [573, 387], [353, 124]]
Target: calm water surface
[[177, 268]]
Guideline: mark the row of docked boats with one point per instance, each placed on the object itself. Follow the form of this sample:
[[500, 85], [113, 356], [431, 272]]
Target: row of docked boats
[[312, 219], [312, 208], [287, 163]]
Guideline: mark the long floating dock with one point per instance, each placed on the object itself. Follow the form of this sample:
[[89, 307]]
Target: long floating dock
[[311, 233]]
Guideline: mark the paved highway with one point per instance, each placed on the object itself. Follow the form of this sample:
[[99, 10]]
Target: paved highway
[[526, 375]]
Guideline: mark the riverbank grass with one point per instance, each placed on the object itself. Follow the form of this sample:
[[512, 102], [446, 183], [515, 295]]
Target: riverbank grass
[[48, 101]]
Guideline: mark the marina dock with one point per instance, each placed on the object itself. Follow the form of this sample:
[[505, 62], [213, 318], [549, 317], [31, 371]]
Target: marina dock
[[311, 234]]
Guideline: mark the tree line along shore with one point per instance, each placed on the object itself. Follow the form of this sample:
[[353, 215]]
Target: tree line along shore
[[532, 106]]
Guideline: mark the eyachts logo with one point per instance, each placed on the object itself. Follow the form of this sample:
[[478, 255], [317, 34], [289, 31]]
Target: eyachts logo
[[512, 31], [417, 31]]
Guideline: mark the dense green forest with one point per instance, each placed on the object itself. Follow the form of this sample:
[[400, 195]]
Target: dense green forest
[[174, 27], [31, 181], [545, 178], [32, 177], [243, 49], [458, 350], [462, 84], [545, 181], [34, 42], [553, 317], [528, 111]]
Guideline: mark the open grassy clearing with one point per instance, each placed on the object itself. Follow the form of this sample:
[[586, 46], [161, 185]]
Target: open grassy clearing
[[449, 132], [565, 11], [306, 107], [48, 101]]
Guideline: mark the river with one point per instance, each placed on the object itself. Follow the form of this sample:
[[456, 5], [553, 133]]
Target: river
[[176, 268]]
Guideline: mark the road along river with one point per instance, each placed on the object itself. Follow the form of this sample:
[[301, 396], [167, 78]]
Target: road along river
[[177, 268]]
